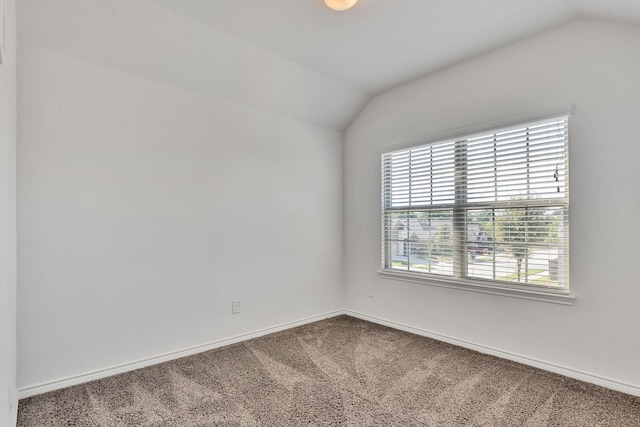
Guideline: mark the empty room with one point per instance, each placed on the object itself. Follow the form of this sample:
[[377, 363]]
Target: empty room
[[319, 212]]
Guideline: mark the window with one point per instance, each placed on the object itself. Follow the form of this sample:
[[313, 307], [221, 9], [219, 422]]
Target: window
[[489, 209]]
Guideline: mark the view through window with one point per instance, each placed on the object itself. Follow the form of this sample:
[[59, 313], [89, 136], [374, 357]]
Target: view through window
[[486, 207]]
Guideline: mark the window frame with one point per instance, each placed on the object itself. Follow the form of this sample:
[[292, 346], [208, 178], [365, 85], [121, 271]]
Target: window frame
[[488, 286]]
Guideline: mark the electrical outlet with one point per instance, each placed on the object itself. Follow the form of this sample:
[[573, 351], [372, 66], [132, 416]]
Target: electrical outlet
[[370, 290], [235, 307], [12, 398]]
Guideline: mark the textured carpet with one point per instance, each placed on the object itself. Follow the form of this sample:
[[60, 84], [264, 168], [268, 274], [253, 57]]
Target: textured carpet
[[340, 371]]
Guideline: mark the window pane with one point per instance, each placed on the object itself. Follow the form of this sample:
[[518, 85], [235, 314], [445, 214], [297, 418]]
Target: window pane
[[518, 245], [526, 161], [420, 241], [418, 177]]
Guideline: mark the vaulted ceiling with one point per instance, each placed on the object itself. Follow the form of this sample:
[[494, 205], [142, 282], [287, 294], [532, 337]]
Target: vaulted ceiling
[[293, 57], [379, 44]]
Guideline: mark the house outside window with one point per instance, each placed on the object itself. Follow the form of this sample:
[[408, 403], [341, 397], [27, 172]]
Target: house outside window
[[485, 209]]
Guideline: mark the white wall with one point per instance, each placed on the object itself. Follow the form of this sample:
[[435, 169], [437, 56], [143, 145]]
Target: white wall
[[596, 67], [145, 209], [8, 400]]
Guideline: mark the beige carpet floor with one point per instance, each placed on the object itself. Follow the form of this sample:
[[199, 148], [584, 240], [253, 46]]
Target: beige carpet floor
[[340, 371]]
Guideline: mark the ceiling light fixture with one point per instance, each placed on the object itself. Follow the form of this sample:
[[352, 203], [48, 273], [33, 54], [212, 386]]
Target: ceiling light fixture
[[340, 4]]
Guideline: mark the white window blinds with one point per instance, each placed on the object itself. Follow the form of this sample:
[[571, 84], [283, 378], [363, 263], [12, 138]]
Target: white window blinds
[[486, 207]]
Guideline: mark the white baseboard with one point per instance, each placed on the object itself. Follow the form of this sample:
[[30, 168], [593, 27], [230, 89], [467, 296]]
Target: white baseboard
[[126, 367], [546, 366], [131, 366]]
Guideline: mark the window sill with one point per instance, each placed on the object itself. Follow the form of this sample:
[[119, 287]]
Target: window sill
[[551, 296]]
